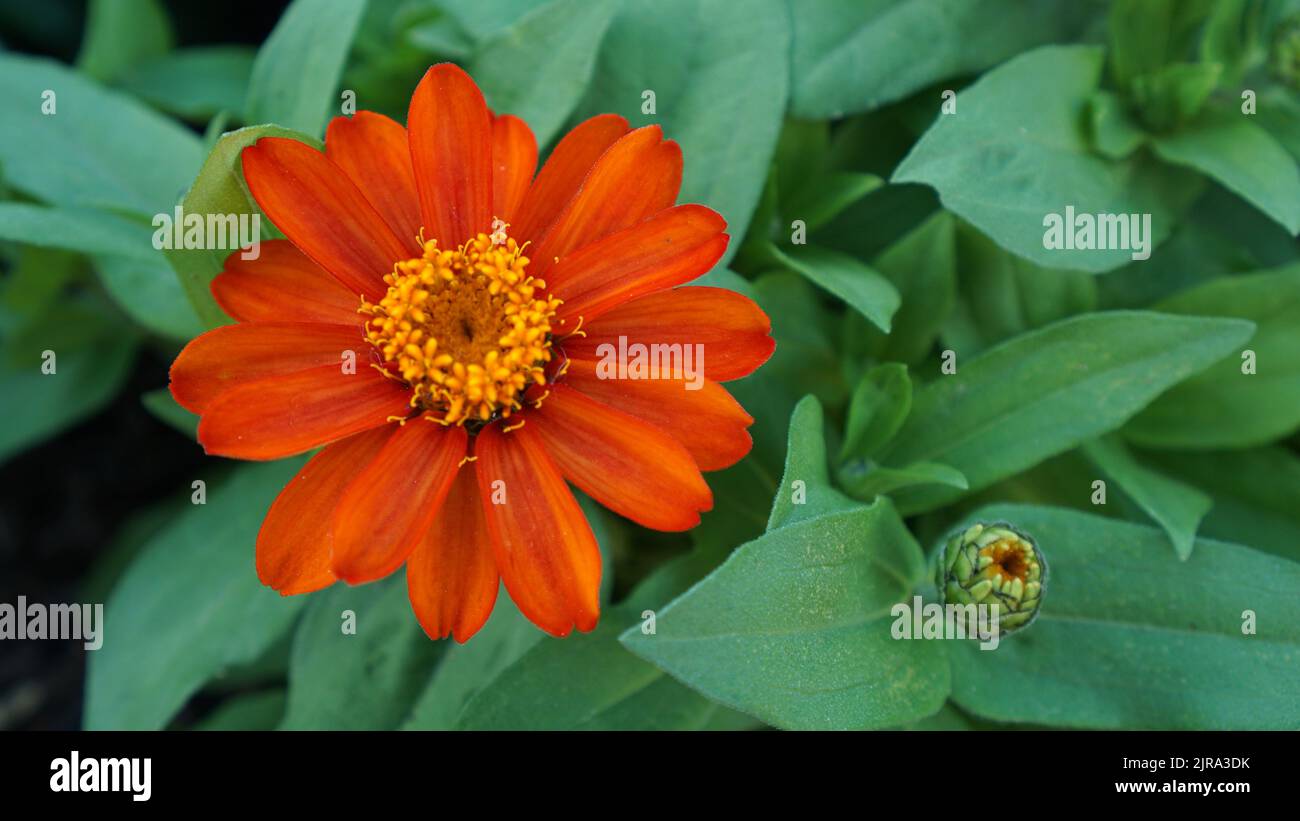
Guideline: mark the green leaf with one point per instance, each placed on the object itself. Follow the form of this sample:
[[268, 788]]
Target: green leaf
[[1146, 35], [1256, 494], [82, 230], [484, 18], [864, 289], [220, 189], [160, 403], [99, 149], [296, 74], [1175, 94], [120, 34], [1174, 506], [1017, 151], [719, 73], [864, 479], [828, 195], [1242, 156], [1279, 114], [194, 83], [1049, 390], [878, 409], [923, 267], [805, 463], [466, 668], [91, 365], [190, 606], [362, 680], [136, 275], [539, 67], [590, 681], [1114, 134], [1224, 407], [869, 226], [805, 360], [1002, 295], [1232, 38], [585, 682], [255, 711], [794, 627], [1130, 637], [851, 57]]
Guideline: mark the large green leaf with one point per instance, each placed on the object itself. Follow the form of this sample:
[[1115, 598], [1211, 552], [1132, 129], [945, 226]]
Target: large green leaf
[[296, 74], [719, 73], [190, 606], [1018, 151], [794, 628], [1242, 156], [220, 189], [362, 680], [99, 148], [539, 67], [854, 56], [1224, 407], [1046, 391], [1130, 637]]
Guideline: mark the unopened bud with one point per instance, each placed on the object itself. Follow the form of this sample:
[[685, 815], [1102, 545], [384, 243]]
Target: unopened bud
[[997, 566]]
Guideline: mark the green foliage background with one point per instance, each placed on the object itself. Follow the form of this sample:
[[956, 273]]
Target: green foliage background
[[924, 235]]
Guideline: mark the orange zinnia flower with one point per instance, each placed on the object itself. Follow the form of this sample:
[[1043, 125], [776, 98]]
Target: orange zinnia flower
[[474, 299]]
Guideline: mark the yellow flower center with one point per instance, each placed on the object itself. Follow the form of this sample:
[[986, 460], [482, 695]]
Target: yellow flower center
[[467, 329], [1012, 559]]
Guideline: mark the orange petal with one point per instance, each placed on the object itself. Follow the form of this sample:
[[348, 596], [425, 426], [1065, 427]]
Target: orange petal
[[450, 133], [672, 247], [293, 546], [389, 506], [372, 150], [638, 176], [708, 422], [544, 548], [234, 354], [451, 576], [732, 329], [563, 173], [514, 159], [628, 465], [283, 284], [315, 205], [281, 415]]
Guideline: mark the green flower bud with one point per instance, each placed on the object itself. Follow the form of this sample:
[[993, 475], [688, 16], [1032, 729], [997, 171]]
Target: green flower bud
[[997, 566]]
